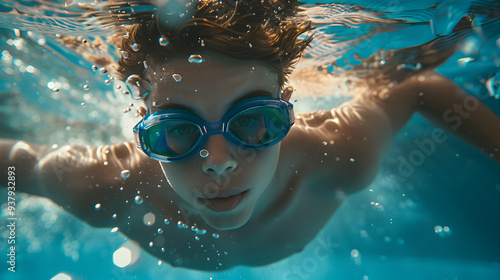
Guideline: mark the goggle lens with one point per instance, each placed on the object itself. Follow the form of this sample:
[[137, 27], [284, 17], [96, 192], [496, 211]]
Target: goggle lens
[[257, 126], [173, 138]]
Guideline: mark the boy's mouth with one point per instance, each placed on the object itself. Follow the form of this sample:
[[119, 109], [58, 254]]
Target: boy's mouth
[[223, 203]]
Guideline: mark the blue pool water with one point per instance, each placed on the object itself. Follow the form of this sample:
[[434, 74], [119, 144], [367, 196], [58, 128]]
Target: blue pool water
[[440, 221]]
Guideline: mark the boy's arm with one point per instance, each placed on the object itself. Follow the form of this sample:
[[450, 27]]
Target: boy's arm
[[78, 177], [444, 104], [346, 144]]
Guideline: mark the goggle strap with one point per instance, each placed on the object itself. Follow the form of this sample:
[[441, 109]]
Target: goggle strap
[[137, 140], [291, 114]]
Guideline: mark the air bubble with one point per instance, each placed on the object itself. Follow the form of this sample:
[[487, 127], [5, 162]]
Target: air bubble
[[94, 68], [138, 87], [201, 231], [166, 221], [151, 244], [195, 58], [197, 238], [55, 89], [135, 46], [324, 143], [138, 199], [354, 253], [215, 235], [97, 207], [160, 231], [163, 41], [83, 104], [114, 216], [442, 231], [177, 77], [149, 219], [204, 153], [125, 174], [103, 70], [86, 87], [377, 206]]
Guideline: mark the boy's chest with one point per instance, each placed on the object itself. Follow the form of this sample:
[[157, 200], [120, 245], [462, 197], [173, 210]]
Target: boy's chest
[[283, 230]]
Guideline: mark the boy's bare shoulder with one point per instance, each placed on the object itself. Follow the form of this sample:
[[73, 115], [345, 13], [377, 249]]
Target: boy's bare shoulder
[[339, 150]]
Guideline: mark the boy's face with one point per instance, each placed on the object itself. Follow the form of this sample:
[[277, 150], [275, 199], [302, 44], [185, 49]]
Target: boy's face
[[223, 187]]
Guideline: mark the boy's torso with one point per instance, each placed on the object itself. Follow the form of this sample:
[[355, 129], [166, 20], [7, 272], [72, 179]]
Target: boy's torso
[[300, 200], [277, 230]]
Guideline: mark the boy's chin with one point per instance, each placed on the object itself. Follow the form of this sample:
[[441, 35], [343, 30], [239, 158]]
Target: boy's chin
[[227, 221]]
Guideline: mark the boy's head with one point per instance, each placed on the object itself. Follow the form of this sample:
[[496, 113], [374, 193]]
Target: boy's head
[[246, 53], [250, 30]]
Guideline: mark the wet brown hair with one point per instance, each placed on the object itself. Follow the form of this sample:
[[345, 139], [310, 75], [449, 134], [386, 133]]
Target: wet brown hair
[[247, 29]]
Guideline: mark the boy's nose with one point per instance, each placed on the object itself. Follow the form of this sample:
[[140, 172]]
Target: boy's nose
[[220, 161]]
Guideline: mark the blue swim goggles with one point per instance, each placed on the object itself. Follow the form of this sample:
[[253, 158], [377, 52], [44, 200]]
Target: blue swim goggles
[[174, 135]]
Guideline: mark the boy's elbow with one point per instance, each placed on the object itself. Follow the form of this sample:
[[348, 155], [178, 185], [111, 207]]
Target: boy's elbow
[[24, 159]]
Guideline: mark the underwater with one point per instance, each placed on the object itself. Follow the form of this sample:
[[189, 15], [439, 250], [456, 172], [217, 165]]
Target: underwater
[[434, 216]]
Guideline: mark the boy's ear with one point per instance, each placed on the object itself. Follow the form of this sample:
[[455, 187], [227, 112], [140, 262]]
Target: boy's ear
[[138, 86], [286, 93]]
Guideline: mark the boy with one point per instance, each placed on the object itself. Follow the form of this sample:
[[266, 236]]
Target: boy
[[216, 123]]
